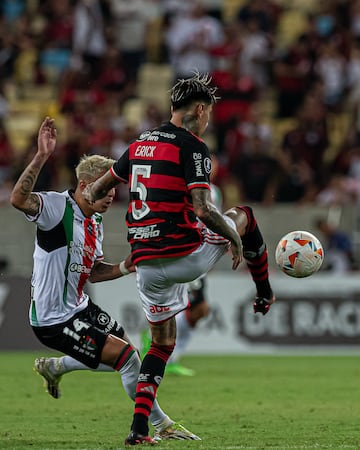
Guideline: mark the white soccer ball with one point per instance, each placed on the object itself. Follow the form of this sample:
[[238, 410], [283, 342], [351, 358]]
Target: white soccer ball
[[299, 254]]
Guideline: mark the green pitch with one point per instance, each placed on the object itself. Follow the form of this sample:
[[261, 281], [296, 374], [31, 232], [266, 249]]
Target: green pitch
[[255, 402]]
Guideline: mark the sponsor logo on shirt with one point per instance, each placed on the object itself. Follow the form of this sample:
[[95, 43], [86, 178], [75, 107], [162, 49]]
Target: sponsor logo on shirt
[[75, 249], [144, 232], [154, 135], [81, 250], [198, 164], [207, 165], [79, 268]]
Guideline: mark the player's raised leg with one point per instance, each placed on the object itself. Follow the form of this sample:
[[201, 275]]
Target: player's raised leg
[[255, 254]]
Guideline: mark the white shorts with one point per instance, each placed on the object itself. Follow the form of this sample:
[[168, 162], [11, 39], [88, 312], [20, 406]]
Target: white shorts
[[162, 284]]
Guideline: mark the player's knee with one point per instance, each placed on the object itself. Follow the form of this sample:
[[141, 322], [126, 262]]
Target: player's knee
[[116, 352], [197, 312], [241, 215], [204, 309], [164, 333]]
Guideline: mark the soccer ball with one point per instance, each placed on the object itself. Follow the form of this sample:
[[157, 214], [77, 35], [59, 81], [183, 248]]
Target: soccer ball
[[299, 254]]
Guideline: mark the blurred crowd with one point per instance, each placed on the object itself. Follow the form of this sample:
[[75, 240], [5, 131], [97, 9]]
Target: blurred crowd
[[288, 75]]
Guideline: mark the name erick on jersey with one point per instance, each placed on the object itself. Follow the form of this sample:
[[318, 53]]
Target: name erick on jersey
[[66, 246], [162, 167]]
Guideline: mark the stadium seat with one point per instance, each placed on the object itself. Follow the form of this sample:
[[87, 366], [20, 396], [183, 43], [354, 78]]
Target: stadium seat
[[20, 128], [291, 24], [133, 111], [230, 9], [154, 40], [154, 82], [279, 128]]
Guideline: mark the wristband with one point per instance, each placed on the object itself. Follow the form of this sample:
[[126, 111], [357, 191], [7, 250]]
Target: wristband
[[123, 269]]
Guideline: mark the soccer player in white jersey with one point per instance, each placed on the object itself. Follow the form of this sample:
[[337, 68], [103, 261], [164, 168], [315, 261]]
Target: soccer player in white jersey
[[68, 252]]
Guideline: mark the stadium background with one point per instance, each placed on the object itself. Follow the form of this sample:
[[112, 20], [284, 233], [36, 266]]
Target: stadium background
[[40, 74]]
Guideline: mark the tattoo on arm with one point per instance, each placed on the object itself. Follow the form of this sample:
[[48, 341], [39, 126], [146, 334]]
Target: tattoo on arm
[[103, 271], [103, 268], [23, 197], [27, 182], [102, 186], [209, 215], [32, 205]]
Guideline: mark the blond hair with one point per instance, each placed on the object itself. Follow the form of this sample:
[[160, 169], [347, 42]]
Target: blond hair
[[92, 166]]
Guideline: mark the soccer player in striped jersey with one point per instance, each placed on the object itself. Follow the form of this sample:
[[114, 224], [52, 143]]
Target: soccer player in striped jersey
[[198, 308], [68, 252], [175, 232]]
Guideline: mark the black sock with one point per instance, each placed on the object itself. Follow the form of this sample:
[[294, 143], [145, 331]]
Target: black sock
[[255, 254]]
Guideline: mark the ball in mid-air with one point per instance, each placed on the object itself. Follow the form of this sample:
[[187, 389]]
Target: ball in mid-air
[[299, 254]]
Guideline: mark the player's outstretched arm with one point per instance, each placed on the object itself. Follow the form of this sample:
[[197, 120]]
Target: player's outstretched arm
[[22, 196], [100, 187], [103, 271]]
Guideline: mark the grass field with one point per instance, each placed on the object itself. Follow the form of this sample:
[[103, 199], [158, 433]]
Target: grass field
[[253, 402]]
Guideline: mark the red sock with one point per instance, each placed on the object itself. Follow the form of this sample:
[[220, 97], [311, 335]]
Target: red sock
[[151, 373], [256, 255]]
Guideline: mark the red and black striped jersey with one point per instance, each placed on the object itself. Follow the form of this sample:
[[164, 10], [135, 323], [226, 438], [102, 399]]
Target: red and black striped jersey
[[162, 166]]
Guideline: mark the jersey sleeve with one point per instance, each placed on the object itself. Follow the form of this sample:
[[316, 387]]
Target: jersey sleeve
[[196, 161], [52, 205], [120, 169]]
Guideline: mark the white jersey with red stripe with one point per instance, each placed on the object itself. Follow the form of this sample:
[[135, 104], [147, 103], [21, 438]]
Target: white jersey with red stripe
[[66, 246]]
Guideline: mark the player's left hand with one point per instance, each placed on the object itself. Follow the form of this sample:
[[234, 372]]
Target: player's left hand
[[47, 137], [262, 304], [237, 252], [129, 264]]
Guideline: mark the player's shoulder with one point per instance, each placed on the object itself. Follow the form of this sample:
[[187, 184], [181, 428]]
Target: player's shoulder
[[164, 133], [168, 129], [52, 207], [54, 195], [57, 201], [190, 141], [170, 133]]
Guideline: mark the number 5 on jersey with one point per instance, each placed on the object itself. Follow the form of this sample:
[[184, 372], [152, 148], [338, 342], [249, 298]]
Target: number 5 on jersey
[[139, 188]]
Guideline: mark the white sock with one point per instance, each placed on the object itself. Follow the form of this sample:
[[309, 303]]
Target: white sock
[[184, 333], [70, 364], [129, 376]]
